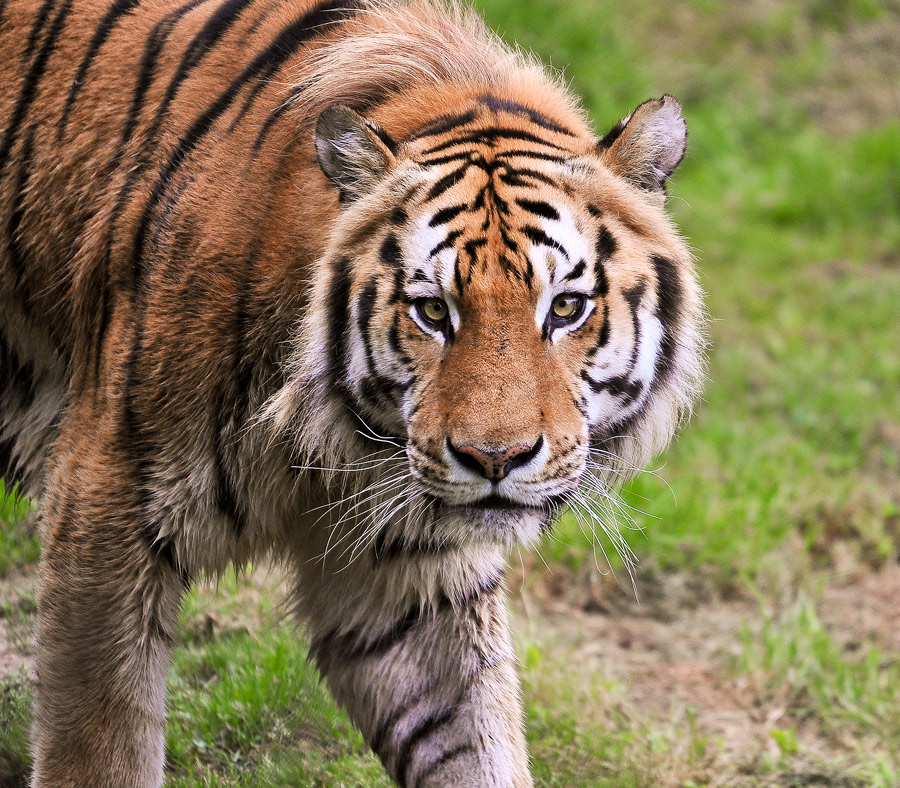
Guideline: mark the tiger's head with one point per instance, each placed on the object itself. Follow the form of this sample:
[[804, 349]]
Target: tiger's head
[[505, 302]]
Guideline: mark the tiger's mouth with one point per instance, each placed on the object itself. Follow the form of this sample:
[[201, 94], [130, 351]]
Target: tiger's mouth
[[500, 503], [495, 501]]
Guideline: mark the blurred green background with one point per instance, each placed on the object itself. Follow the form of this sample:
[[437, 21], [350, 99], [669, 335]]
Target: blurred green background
[[770, 531]]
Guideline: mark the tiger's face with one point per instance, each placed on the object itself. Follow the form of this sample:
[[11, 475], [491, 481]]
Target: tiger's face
[[508, 303]]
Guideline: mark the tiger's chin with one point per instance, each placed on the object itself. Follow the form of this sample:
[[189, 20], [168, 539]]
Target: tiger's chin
[[496, 519]]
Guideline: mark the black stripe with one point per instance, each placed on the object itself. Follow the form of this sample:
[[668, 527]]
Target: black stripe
[[339, 302], [397, 292], [621, 386], [442, 124], [447, 243], [390, 253], [634, 296], [516, 177], [394, 341], [229, 417], [457, 275], [446, 215], [149, 59], [203, 43], [16, 252], [514, 108], [398, 713], [269, 124], [403, 546], [260, 19], [577, 271], [538, 236], [488, 136], [37, 28], [155, 42], [389, 142], [226, 501], [29, 90], [606, 245], [265, 77], [110, 19], [472, 244], [426, 728], [484, 586], [351, 646], [442, 761], [17, 376], [539, 208], [604, 332], [365, 308], [531, 154], [102, 326], [268, 61], [436, 161], [9, 466], [601, 288], [447, 182], [669, 296]]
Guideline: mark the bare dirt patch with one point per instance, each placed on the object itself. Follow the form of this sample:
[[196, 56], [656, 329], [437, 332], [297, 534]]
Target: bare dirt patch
[[675, 664], [16, 608], [12, 657]]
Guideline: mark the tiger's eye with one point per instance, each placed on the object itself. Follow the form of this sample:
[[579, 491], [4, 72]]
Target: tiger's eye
[[568, 306], [434, 309]]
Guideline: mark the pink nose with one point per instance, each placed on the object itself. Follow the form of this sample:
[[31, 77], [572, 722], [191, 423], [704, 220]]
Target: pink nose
[[495, 464]]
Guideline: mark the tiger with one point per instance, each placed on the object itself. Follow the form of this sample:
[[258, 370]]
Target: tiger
[[347, 285]]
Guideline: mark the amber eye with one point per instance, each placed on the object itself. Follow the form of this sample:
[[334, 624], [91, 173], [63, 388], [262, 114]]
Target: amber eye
[[434, 310], [567, 307]]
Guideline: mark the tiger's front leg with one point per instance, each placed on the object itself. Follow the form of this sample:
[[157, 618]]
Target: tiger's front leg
[[107, 607], [434, 692]]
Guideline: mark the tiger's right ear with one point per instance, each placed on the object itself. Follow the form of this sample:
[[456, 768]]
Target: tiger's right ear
[[352, 151]]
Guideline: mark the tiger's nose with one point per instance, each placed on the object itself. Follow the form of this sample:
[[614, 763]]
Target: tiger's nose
[[494, 464]]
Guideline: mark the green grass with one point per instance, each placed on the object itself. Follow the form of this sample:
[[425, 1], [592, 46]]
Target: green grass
[[18, 546], [15, 716], [850, 692], [794, 650]]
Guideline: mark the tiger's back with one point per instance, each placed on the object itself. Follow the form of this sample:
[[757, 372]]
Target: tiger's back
[[102, 107]]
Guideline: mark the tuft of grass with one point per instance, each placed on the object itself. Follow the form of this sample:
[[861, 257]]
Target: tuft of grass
[[794, 653], [19, 544]]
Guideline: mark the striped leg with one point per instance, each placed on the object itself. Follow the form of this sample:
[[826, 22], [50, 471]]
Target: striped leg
[[435, 695], [107, 608]]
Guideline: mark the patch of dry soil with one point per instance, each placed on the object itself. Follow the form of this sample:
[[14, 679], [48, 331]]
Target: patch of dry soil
[[12, 656], [674, 661], [15, 651]]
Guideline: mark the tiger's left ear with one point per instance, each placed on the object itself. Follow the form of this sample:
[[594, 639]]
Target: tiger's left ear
[[646, 146], [352, 151]]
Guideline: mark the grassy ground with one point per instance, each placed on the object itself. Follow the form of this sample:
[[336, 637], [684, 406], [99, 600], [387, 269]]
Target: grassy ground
[[766, 647]]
